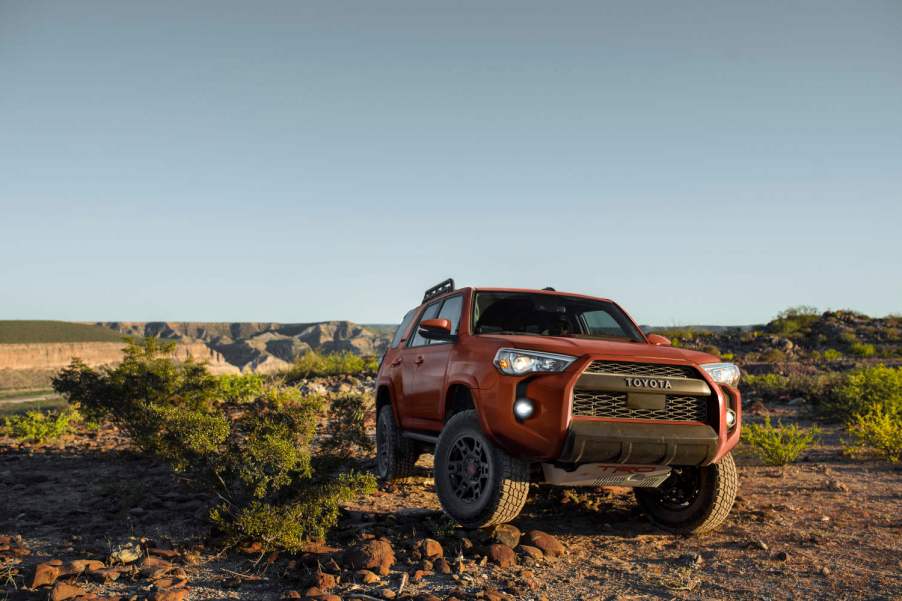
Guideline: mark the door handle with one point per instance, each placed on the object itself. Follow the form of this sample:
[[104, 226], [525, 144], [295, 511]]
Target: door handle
[[395, 363], [419, 360]]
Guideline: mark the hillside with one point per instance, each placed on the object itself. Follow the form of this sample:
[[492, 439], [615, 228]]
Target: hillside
[[39, 332]]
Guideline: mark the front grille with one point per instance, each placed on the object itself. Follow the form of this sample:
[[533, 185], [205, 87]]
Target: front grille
[[651, 370], [613, 404]]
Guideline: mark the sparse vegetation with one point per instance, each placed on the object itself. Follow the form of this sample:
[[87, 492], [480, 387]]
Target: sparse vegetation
[[254, 453], [793, 320], [778, 445], [313, 364], [41, 426]]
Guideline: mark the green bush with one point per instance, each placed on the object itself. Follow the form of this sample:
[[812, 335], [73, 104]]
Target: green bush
[[864, 389], [255, 453], [41, 426], [793, 320], [346, 431], [766, 385], [240, 388], [778, 445], [313, 364], [832, 354], [878, 431], [773, 356], [862, 349]]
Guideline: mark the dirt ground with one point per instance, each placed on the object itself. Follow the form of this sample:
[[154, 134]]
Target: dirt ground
[[826, 528]]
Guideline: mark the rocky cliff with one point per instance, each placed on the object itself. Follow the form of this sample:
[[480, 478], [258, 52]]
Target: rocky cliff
[[262, 346]]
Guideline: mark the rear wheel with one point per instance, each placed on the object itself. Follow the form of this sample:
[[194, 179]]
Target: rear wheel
[[395, 456], [477, 483], [693, 499]]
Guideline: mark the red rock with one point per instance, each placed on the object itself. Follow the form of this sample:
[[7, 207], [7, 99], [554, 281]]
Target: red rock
[[366, 577], [502, 555], [549, 545], [371, 554], [325, 581], [78, 566], [442, 566], [166, 553], [431, 548], [506, 534], [46, 573], [172, 594], [63, 590], [291, 595], [533, 552]]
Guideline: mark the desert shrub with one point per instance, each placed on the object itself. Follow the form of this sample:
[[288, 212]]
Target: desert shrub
[[778, 445], [773, 356], [766, 385], [862, 349], [864, 389], [254, 453], [727, 356], [41, 426], [878, 431], [313, 364], [346, 431], [793, 320], [831, 354], [240, 388]]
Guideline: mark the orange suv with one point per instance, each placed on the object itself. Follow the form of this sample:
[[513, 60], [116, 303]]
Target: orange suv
[[509, 386]]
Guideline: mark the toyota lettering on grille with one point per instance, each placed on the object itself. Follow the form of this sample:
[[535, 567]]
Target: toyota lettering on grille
[[647, 383]]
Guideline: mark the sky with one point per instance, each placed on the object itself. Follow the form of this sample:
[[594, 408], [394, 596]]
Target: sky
[[698, 162]]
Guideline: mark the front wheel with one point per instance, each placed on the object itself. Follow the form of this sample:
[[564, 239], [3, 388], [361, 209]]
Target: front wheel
[[693, 499], [477, 483]]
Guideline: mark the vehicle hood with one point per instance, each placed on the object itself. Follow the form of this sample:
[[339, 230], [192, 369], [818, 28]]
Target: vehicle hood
[[633, 351]]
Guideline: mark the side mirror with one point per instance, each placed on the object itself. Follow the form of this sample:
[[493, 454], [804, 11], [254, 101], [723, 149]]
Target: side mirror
[[436, 329], [658, 340]]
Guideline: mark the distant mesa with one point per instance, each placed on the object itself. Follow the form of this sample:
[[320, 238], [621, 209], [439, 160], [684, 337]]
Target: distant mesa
[[31, 351]]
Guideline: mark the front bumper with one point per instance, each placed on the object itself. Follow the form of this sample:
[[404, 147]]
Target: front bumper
[[554, 434], [639, 443]]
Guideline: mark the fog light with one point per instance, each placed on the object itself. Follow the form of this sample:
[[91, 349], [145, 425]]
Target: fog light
[[523, 409], [731, 418]]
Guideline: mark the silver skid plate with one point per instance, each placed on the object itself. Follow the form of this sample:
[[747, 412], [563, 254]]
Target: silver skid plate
[[607, 474]]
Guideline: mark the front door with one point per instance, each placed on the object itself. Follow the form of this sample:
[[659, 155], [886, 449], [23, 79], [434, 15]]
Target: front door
[[427, 361]]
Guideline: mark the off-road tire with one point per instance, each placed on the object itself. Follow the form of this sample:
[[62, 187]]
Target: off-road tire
[[505, 479], [395, 455], [717, 487]]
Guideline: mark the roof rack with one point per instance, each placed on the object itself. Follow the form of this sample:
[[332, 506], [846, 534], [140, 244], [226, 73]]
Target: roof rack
[[549, 289], [438, 289]]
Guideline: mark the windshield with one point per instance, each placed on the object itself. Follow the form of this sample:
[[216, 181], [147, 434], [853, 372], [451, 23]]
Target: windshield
[[550, 315]]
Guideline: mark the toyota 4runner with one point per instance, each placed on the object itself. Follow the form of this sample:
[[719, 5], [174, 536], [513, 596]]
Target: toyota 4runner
[[510, 386]]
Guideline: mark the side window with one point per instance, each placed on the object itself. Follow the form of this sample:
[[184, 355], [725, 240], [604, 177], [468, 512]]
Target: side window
[[429, 313], [402, 329], [451, 311]]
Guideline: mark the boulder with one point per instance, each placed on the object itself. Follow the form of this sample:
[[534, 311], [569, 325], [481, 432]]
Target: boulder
[[431, 548], [549, 545], [370, 555], [506, 534], [502, 555]]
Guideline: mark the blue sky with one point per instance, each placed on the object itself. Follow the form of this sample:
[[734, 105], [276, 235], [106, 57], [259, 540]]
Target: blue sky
[[700, 162]]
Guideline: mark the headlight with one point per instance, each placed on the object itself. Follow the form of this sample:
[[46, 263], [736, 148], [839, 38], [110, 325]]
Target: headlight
[[723, 373], [514, 362]]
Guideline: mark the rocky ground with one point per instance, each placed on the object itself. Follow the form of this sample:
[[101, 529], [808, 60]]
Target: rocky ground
[[88, 516]]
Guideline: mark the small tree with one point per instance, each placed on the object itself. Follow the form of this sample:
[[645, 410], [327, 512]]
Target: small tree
[[255, 453]]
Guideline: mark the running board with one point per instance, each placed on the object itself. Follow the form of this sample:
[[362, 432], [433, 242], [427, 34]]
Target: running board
[[420, 437], [606, 474]]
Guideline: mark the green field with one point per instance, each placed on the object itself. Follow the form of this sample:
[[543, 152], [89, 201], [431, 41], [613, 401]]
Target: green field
[[30, 332]]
